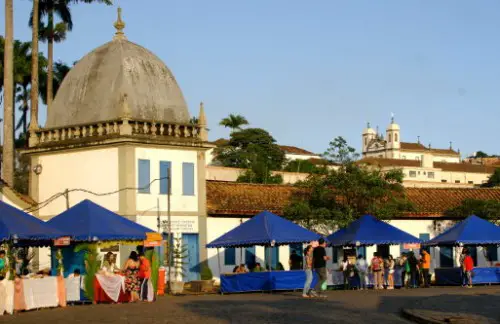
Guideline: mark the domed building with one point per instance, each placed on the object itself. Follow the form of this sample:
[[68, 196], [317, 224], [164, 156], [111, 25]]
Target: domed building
[[119, 133]]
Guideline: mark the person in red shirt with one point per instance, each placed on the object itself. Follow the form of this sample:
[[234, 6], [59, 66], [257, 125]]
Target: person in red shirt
[[468, 267], [144, 276]]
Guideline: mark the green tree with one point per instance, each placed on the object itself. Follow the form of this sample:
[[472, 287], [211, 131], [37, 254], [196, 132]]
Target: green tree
[[304, 166], [253, 149], [234, 122], [481, 154], [339, 152], [487, 209], [341, 195], [493, 180]]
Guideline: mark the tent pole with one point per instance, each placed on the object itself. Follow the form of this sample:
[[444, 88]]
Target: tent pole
[[218, 265]]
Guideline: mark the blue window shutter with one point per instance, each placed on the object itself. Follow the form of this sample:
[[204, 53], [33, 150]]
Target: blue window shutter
[[164, 167], [492, 252], [229, 256], [144, 176], [188, 179]]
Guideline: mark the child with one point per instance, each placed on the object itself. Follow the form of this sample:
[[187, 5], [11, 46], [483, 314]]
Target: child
[[468, 267]]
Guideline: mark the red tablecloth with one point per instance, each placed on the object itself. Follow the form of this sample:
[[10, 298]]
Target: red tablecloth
[[100, 295]]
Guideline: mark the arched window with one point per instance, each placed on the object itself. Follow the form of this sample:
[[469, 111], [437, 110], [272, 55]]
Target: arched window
[[389, 137], [396, 137]]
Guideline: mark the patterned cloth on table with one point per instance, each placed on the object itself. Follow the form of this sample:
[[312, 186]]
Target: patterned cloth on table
[[132, 283]]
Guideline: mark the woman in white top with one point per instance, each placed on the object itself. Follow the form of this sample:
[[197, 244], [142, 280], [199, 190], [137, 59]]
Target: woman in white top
[[362, 267]]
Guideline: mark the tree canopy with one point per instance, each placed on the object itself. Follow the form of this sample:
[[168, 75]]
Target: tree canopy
[[253, 149], [487, 209], [234, 122], [344, 194], [493, 180]]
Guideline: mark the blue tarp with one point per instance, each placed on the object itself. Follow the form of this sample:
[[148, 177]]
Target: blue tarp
[[367, 230], [263, 229], [88, 221], [16, 223], [473, 230], [265, 281], [453, 276]]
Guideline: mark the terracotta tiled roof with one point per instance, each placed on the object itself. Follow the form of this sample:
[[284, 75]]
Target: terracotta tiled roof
[[238, 199], [421, 148], [412, 146], [465, 167], [389, 162], [232, 198], [435, 201], [295, 150]]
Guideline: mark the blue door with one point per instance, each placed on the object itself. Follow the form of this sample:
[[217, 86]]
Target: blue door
[[192, 266]]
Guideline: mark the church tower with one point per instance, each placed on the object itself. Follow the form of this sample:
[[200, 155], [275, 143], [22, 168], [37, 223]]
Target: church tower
[[368, 135], [393, 140]]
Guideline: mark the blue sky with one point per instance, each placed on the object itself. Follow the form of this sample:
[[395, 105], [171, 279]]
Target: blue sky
[[308, 71]]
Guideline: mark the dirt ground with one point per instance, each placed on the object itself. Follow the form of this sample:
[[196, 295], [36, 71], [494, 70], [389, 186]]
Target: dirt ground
[[287, 307]]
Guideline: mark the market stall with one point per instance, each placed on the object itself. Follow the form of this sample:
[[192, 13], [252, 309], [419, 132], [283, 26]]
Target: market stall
[[472, 232], [92, 227], [367, 231], [19, 229], [264, 229]]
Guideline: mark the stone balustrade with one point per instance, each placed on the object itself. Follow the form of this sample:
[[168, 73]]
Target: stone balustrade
[[116, 128]]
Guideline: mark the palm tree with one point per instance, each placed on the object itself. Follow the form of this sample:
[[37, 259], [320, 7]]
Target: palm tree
[[234, 122], [55, 33], [8, 102], [34, 67], [60, 70]]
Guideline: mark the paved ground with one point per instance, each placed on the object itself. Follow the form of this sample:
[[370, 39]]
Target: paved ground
[[339, 307]]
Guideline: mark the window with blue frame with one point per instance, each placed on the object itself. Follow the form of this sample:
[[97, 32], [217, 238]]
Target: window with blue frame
[[335, 254], [165, 166], [188, 179], [492, 253], [361, 250], [272, 256], [144, 176], [229, 256], [424, 237]]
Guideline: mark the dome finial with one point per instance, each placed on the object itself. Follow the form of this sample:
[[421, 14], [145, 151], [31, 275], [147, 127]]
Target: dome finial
[[119, 25], [392, 118]]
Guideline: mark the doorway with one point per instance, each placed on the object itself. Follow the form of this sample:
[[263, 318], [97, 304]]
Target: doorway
[[192, 266]]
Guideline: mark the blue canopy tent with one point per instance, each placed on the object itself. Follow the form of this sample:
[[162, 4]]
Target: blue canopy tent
[[89, 222], [264, 229], [472, 231], [368, 230], [16, 225]]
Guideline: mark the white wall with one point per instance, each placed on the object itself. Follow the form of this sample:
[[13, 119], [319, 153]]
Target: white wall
[[179, 202], [291, 156], [94, 170]]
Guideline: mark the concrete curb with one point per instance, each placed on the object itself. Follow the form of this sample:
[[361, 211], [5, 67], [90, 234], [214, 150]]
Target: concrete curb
[[435, 317]]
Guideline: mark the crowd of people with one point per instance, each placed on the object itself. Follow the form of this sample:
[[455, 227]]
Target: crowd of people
[[413, 270]]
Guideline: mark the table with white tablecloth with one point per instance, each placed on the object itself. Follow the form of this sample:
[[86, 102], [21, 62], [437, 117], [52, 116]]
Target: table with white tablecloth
[[6, 296], [73, 288], [40, 292]]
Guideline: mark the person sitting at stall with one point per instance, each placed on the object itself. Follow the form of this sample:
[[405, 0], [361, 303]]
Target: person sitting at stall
[[257, 268], [241, 269], [109, 263], [3, 266], [236, 269], [75, 274], [295, 261]]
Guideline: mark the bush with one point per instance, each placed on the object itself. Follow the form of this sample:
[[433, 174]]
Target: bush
[[206, 273]]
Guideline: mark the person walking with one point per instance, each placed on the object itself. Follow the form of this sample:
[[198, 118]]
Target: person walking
[[462, 266], [362, 267], [308, 267], [413, 263], [425, 264], [144, 276], [319, 262], [390, 273], [468, 268]]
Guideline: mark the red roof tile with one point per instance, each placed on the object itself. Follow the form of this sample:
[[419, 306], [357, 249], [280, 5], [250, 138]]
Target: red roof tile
[[295, 150], [381, 162], [237, 199]]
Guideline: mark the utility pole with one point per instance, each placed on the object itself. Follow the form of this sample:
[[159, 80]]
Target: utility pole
[[170, 245], [158, 224]]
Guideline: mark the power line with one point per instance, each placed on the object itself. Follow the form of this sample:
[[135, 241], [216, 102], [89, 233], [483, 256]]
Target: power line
[[46, 202]]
